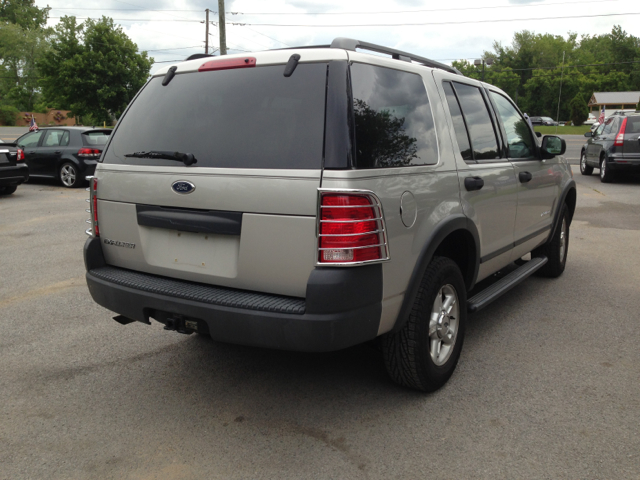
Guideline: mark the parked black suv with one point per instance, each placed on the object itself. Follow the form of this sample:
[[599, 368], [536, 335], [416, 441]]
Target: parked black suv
[[65, 153], [613, 148]]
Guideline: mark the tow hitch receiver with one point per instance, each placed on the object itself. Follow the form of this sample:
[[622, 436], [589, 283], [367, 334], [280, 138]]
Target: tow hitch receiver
[[181, 325]]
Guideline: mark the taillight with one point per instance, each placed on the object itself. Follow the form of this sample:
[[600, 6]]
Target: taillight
[[351, 228], [89, 153], [620, 137], [94, 206], [20, 155]]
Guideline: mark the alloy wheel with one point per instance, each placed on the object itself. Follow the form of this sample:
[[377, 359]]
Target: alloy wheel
[[443, 325]]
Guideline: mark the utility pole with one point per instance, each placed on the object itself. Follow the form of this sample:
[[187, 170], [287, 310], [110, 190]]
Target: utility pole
[[206, 37], [222, 28], [560, 94]]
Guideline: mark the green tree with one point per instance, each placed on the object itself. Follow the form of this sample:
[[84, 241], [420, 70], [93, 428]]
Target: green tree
[[579, 110], [93, 68], [24, 13]]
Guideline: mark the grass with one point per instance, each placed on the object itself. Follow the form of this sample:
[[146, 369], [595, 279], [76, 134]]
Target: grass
[[567, 130]]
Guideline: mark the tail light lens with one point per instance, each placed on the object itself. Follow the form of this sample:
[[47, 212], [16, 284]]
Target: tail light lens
[[89, 153], [619, 141], [20, 155], [94, 206], [351, 229]]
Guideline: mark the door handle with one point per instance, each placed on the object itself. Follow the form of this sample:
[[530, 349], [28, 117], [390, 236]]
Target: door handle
[[524, 177], [57, 152], [473, 183]]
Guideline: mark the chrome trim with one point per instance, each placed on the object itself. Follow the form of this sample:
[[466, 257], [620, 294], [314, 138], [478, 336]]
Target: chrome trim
[[88, 200], [354, 248], [349, 234], [352, 221], [88, 221], [88, 210], [382, 229], [89, 231], [347, 206]]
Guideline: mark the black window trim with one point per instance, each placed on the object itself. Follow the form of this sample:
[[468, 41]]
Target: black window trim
[[504, 132]]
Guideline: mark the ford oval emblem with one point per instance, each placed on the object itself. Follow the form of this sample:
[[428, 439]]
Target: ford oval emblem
[[183, 187]]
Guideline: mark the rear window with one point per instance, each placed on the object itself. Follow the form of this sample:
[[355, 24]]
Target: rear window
[[95, 138], [633, 125], [242, 118]]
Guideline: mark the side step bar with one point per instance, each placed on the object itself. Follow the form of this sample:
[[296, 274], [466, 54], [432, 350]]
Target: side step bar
[[489, 294]]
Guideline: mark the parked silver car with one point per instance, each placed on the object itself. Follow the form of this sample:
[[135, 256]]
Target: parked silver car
[[316, 198]]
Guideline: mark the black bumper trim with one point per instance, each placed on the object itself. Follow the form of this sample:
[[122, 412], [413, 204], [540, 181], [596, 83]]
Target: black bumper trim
[[343, 307], [198, 292]]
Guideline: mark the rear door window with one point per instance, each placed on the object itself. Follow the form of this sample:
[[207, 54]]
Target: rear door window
[[52, 138], [481, 131], [239, 118], [393, 121]]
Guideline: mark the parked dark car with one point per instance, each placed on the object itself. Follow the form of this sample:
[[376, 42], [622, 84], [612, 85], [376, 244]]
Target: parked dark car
[[614, 147], [66, 153], [13, 170], [546, 121]]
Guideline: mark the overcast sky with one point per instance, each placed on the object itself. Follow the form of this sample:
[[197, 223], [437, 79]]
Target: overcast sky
[[442, 30]]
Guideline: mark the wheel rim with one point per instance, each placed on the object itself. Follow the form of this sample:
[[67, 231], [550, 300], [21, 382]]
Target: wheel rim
[[603, 166], [68, 175], [583, 162], [443, 325], [563, 239]]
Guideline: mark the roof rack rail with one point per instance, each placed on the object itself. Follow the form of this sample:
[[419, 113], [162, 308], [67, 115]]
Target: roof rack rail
[[351, 44]]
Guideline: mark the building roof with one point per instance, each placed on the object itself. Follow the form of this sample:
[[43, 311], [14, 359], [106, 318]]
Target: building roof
[[614, 98]]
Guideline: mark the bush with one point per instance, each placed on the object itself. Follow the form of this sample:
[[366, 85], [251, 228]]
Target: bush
[[579, 110], [8, 115]]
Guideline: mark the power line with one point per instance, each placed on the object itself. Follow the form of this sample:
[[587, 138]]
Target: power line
[[420, 24]]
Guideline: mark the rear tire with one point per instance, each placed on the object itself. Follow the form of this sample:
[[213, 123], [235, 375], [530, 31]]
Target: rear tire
[[7, 190], [69, 175], [584, 168], [606, 175], [556, 250], [424, 353]]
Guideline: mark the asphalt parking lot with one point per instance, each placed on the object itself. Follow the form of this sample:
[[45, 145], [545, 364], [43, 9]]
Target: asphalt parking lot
[[547, 385]]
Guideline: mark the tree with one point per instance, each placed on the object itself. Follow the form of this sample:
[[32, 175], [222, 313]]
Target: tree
[[23, 13], [579, 110], [93, 69]]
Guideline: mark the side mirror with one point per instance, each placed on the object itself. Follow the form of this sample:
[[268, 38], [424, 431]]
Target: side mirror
[[588, 134], [538, 134], [552, 146]]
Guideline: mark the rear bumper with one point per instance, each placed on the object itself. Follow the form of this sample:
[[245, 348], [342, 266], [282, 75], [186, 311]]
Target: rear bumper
[[620, 165], [342, 307], [11, 176]]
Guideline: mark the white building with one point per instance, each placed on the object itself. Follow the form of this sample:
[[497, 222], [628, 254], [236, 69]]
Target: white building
[[613, 101]]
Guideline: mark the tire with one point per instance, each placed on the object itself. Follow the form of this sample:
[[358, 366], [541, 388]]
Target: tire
[[413, 356], [584, 168], [7, 190], [606, 175], [69, 175], [556, 250]]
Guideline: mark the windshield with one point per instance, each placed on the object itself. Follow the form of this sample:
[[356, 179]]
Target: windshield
[[241, 118]]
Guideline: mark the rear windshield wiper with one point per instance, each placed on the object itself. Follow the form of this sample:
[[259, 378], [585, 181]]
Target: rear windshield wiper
[[186, 158]]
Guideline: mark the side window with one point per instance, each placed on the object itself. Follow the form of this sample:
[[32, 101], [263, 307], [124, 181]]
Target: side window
[[519, 138], [52, 138], [462, 135], [31, 139], [600, 129], [65, 139], [393, 122], [483, 137]]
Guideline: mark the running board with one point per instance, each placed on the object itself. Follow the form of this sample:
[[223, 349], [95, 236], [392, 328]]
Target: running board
[[489, 294]]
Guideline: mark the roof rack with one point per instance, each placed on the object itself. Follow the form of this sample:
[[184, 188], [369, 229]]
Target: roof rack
[[351, 44]]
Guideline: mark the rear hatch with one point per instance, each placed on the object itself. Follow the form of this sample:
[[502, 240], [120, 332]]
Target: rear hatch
[[8, 154], [631, 147], [242, 216]]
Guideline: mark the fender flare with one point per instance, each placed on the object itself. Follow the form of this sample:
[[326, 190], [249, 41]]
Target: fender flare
[[442, 230], [571, 185]]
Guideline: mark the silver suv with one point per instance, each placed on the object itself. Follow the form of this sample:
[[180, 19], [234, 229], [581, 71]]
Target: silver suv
[[316, 198]]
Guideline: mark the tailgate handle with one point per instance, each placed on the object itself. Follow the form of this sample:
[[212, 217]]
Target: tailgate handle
[[187, 220]]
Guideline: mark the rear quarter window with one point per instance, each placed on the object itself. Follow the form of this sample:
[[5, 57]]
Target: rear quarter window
[[393, 121]]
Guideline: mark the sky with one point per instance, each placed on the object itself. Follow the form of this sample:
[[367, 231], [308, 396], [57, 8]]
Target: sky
[[443, 31]]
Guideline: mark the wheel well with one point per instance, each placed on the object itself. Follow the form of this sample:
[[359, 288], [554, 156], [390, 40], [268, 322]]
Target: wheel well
[[460, 247], [570, 200]]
